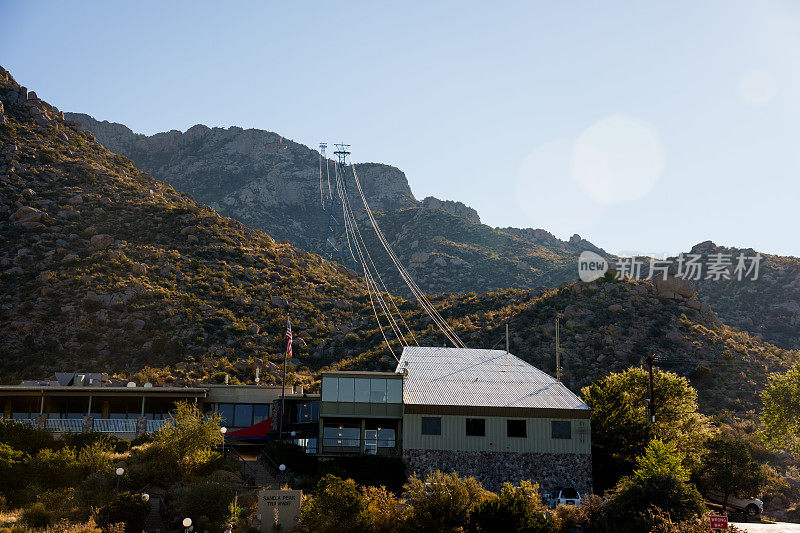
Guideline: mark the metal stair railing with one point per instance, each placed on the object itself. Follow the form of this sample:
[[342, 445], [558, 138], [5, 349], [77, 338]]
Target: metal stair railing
[[248, 471]]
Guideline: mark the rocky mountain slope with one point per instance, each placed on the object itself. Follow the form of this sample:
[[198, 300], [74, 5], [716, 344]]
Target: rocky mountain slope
[[263, 180], [106, 268]]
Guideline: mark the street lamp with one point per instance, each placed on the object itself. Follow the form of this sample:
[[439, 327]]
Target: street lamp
[[145, 497], [187, 523], [282, 468], [119, 472], [223, 430]]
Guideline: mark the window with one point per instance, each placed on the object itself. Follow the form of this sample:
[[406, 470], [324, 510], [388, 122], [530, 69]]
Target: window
[[431, 425], [362, 390], [476, 427], [340, 436], [347, 389], [560, 430], [516, 428], [308, 412], [394, 391], [226, 412], [243, 415], [330, 389], [260, 413], [377, 393]]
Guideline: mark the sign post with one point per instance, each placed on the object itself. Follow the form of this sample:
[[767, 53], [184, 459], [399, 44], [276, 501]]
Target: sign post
[[718, 522], [279, 508]]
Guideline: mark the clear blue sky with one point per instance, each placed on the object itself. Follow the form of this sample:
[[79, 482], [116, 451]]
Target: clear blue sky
[[642, 126]]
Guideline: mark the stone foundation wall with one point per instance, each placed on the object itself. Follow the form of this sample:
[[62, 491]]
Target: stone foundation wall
[[492, 469]]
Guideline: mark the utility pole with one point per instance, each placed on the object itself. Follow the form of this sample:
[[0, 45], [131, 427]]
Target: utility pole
[[507, 351], [651, 408], [558, 350]]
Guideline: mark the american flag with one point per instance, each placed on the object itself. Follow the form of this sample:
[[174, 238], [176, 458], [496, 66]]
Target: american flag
[[288, 339]]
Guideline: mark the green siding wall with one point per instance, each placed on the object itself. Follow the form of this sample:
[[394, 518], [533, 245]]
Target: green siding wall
[[538, 440]]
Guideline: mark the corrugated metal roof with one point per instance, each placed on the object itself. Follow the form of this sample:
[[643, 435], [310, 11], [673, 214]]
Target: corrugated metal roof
[[475, 377]]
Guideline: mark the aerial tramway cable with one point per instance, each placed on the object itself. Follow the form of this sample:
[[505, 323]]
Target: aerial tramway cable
[[358, 237], [377, 290], [440, 322]]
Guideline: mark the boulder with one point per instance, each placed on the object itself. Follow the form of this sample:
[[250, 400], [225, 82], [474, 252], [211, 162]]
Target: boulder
[[682, 287], [420, 257], [101, 241], [277, 301]]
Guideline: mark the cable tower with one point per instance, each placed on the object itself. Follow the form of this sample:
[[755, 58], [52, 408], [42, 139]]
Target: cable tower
[[336, 244]]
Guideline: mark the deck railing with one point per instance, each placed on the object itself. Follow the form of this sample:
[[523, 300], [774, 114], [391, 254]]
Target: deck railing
[[65, 425], [121, 425]]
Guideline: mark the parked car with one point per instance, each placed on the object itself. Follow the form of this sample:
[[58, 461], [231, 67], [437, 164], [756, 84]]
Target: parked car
[[566, 497], [752, 506]]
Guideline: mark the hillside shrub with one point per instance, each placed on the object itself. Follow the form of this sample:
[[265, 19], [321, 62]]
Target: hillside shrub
[[125, 508], [25, 438], [336, 506], [12, 465], [386, 513], [516, 509], [46, 463], [37, 515], [209, 497], [442, 502]]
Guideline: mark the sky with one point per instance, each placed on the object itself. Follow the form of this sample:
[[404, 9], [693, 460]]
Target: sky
[[644, 127]]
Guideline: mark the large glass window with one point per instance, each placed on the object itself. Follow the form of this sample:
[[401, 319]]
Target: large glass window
[[362, 390], [560, 430], [346, 389], [308, 412], [377, 393], [341, 436], [394, 390], [516, 428], [243, 415], [260, 413], [476, 427], [431, 425], [330, 389], [226, 412]]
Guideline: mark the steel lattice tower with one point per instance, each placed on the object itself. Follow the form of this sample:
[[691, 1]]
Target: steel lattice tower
[[336, 230]]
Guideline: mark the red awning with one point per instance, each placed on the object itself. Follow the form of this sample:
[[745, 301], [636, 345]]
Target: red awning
[[257, 431]]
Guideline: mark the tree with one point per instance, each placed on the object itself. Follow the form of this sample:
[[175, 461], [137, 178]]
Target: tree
[[336, 506], [659, 480], [729, 469], [442, 502], [781, 414], [620, 426]]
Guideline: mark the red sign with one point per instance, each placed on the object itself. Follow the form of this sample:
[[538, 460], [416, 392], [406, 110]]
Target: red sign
[[718, 522]]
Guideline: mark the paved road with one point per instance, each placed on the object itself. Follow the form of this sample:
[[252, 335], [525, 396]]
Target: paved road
[[780, 527]]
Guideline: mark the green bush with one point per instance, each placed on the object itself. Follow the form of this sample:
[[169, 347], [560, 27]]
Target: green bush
[[79, 441], [25, 438], [659, 480], [336, 506], [37, 516], [209, 497], [442, 502], [517, 509], [12, 466], [188, 445], [386, 513], [125, 508], [47, 463]]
